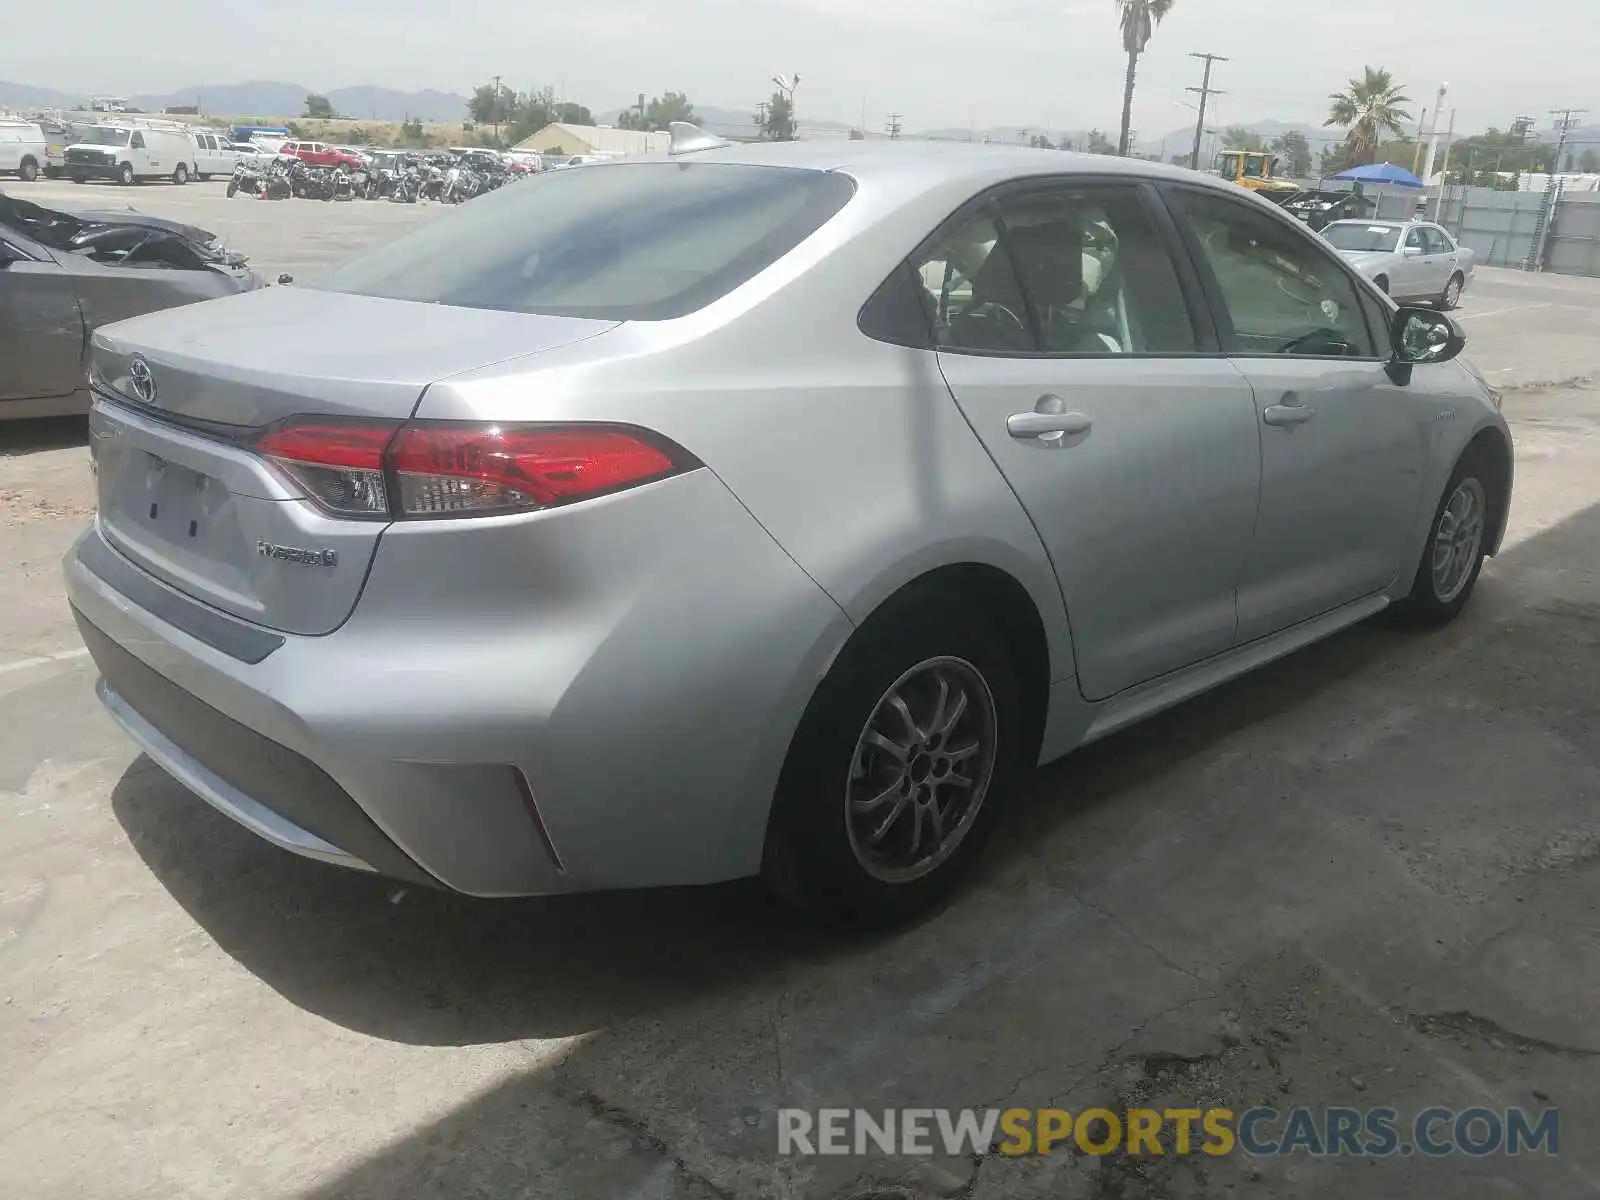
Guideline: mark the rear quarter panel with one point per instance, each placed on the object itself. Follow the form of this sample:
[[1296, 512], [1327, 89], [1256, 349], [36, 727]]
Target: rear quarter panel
[[850, 452]]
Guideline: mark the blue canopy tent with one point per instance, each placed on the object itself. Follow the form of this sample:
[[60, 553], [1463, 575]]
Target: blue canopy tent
[[1380, 173]]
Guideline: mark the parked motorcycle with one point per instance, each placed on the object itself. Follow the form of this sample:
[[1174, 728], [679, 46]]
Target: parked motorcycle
[[347, 185], [245, 178], [460, 184], [407, 185]]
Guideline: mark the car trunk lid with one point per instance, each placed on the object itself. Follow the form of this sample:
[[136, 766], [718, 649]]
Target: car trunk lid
[[182, 397]]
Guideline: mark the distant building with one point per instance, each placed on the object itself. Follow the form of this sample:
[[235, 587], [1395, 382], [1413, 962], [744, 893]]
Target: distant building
[[558, 138]]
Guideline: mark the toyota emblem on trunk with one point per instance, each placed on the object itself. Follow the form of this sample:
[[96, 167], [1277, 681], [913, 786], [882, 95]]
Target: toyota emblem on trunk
[[142, 379]]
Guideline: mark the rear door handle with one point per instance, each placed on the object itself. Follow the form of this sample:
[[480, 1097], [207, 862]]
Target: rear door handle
[[1047, 426], [1288, 414]]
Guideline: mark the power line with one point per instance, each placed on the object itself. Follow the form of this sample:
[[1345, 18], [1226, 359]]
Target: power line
[[1206, 92], [894, 126]]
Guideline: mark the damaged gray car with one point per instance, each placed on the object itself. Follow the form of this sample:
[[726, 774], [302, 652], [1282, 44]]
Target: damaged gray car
[[63, 275]]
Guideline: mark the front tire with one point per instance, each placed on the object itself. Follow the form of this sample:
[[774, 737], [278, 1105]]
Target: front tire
[[180, 174], [125, 176], [1453, 557], [901, 767], [29, 171]]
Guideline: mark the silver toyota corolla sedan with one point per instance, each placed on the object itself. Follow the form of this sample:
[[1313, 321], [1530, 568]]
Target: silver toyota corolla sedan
[[1410, 260], [766, 509]]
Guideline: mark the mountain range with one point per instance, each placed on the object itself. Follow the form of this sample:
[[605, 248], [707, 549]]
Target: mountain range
[[263, 98], [274, 98]]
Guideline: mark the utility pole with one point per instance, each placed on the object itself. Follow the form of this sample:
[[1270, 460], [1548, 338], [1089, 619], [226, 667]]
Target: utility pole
[[643, 124], [894, 127], [1433, 136], [1206, 92], [1444, 171], [1566, 118]]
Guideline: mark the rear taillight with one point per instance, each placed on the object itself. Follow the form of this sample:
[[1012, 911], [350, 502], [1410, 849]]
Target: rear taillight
[[425, 469], [339, 465]]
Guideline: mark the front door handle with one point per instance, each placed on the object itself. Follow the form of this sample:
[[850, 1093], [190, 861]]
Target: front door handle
[[1288, 414], [1047, 426]]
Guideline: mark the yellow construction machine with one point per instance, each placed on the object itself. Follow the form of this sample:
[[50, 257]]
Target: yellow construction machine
[[1257, 171]]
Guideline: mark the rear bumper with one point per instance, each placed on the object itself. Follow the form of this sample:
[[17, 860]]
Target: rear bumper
[[516, 707]]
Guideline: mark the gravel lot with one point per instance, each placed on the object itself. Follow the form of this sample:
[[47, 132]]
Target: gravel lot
[[1367, 876]]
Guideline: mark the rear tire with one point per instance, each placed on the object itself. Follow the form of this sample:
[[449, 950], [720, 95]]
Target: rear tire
[[1450, 300], [1457, 543], [29, 171], [233, 188], [879, 814]]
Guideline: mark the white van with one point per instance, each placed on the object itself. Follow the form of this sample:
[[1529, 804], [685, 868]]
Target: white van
[[213, 154], [23, 150], [129, 153]]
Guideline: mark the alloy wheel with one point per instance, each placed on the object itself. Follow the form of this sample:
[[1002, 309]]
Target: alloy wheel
[[921, 770], [1458, 539], [1452, 294]]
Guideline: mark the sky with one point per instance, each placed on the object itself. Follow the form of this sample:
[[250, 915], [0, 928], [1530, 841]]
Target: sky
[[939, 63]]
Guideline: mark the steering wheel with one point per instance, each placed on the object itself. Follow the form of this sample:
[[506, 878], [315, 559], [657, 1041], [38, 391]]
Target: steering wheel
[[990, 309]]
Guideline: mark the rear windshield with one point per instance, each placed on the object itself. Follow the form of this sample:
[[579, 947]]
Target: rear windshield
[[1354, 236], [624, 242]]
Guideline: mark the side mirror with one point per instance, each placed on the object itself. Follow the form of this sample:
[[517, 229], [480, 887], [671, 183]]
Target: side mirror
[[1412, 252], [1423, 337]]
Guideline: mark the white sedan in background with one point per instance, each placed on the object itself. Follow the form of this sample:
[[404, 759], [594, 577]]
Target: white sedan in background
[[1411, 260]]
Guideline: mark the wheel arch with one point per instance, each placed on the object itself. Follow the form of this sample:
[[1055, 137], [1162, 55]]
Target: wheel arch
[[1001, 597], [1491, 447]]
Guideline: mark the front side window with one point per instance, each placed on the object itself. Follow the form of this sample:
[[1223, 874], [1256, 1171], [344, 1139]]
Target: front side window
[[1439, 242], [1283, 293], [1417, 240], [138, 141], [639, 241]]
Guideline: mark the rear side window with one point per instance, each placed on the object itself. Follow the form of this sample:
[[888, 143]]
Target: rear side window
[[625, 242]]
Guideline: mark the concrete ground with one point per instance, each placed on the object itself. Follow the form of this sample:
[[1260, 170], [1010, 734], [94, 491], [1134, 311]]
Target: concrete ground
[[1368, 876], [280, 236]]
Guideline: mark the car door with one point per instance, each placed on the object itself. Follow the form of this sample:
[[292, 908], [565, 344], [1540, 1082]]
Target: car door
[[1442, 248], [41, 329], [1416, 269], [1343, 448], [1072, 347]]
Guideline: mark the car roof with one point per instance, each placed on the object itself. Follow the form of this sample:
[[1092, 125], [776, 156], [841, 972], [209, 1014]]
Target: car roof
[[976, 163]]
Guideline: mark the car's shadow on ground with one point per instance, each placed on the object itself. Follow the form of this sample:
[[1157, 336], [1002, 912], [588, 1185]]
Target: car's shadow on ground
[[46, 433], [432, 968]]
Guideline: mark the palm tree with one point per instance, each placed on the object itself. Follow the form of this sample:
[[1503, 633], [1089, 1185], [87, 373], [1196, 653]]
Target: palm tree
[[1370, 108], [1139, 21]]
